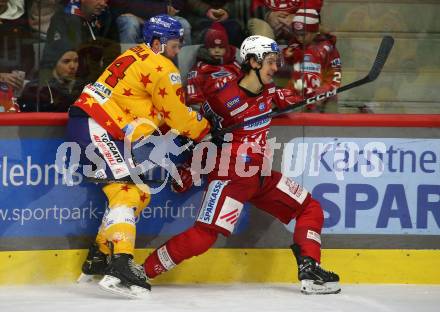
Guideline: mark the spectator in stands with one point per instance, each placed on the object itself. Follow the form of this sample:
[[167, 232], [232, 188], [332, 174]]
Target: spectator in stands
[[86, 24], [131, 15], [39, 14], [315, 60], [56, 92], [201, 14], [216, 65], [273, 18], [15, 46]]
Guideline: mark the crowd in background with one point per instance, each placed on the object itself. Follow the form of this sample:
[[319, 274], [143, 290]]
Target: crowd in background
[[50, 49]]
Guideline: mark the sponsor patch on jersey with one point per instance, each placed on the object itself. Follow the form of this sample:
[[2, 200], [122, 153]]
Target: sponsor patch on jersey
[[314, 236], [108, 148], [311, 67], [232, 103], [220, 74], [336, 62], [103, 89], [240, 109], [165, 258], [175, 78], [261, 123], [293, 189], [94, 93], [229, 214], [210, 202]]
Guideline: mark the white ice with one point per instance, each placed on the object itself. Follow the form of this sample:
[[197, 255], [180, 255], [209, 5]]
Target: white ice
[[224, 298]]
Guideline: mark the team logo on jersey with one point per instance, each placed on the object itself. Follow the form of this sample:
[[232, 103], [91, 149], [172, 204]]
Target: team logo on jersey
[[175, 78], [262, 106], [336, 62], [220, 74], [307, 58], [233, 102]]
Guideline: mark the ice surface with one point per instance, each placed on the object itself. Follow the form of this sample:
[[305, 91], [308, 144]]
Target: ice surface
[[224, 298]]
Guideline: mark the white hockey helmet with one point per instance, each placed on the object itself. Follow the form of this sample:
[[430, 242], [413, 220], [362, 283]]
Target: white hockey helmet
[[258, 46]]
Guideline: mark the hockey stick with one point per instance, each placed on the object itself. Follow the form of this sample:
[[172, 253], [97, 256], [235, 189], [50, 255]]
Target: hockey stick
[[384, 51]]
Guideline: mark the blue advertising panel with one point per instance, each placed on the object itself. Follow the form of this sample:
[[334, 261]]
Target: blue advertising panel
[[37, 201], [370, 185]]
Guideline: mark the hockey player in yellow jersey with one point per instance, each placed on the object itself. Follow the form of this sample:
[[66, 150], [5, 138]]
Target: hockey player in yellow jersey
[[142, 84]]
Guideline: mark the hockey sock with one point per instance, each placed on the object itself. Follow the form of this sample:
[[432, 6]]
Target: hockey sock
[[190, 243], [308, 228]]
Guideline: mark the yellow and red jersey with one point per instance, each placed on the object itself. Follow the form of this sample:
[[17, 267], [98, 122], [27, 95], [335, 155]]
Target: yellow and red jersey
[[139, 91]]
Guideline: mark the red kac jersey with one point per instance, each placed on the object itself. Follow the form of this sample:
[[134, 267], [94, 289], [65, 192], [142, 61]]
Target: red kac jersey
[[316, 68]]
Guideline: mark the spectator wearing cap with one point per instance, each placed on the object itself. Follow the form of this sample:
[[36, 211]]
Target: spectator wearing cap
[[86, 24], [314, 60], [217, 46], [58, 86], [216, 65]]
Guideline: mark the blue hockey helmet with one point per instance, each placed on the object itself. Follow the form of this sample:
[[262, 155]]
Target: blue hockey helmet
[[163, 27]]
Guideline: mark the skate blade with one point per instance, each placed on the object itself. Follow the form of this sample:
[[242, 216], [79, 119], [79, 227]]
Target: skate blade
[[113, 285], [309, 287], [88, 278]]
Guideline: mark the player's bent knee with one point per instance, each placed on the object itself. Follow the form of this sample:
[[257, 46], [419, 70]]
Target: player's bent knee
[[121, 194], [219, 211], [208, 238]]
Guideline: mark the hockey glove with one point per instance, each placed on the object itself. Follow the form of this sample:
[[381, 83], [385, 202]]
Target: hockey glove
[[285, 97]]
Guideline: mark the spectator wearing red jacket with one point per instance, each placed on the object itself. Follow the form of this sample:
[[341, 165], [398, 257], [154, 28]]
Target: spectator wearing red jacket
[[314, 60], [273, 18]]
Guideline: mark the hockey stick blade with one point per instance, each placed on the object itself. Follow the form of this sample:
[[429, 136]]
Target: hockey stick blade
[[385, 48], [382, 55]]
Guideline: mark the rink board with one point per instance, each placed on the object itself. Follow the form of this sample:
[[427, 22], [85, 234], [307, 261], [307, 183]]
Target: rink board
[[221, 265], [379, 228]]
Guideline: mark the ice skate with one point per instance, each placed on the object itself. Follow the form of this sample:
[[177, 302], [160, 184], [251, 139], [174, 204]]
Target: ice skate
[[94, 266], [125, 278], [314, 279]]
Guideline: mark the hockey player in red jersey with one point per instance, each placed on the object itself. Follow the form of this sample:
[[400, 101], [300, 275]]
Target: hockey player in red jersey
[[215, 66], [230, 186], [314, 59]]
